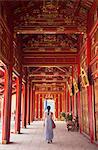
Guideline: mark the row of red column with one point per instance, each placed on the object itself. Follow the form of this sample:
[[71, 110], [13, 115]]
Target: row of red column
[[27, 105]]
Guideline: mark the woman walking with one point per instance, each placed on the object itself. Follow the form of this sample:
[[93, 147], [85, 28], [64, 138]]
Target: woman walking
[[48, 125]]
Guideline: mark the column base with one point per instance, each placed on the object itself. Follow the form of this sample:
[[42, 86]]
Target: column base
[[24, 127], [17, 132], [4, 142]]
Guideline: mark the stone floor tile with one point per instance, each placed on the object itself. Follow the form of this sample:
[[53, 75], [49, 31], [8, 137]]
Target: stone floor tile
[[32, 138]]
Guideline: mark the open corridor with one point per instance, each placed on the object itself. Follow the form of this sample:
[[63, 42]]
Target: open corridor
[[32, 138]]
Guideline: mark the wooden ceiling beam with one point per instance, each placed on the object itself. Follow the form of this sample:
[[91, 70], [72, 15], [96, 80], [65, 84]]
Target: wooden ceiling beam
[[47, 75], [37, 69], [49, 61], [71, 30], [48, 81]]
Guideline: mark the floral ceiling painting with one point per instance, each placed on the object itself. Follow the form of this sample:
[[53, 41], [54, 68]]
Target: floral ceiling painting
[[51, 42]]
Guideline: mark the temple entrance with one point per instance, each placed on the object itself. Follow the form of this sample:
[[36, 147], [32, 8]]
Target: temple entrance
[[51, 103]]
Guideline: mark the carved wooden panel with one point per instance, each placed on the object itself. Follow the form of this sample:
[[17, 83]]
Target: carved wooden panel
[[84, 110]]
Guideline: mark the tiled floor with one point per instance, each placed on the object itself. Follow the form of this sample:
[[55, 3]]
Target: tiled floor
[[32, 138]]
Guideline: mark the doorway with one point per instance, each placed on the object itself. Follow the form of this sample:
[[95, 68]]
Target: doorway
[[51, 103]]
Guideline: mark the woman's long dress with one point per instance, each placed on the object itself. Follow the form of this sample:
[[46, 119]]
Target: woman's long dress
[[48, 127]]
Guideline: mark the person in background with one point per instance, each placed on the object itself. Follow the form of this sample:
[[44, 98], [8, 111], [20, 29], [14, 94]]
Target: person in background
[[48, 125]]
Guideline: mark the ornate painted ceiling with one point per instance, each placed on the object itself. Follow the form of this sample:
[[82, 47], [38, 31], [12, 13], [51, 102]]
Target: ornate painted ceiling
[[50, 74], [50, 43], [49, 33], [54, 15], [50, 25]]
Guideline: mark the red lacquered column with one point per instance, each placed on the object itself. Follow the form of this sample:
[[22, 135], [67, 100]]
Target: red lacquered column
[[68, 98], [73, 93], [25, 103], [23, 107], [56, 105], [40, 106], [28, 102], [37, 105], [73, 105], [7, 106], [64, 98], [18, 104], [60, 102], [31, 103]]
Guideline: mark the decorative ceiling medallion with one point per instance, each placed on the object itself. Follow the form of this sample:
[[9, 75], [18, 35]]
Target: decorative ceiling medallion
[[50, 7], [49, 38], [68, 20]]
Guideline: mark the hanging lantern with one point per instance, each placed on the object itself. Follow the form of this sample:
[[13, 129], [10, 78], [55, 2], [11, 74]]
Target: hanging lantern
[[84, 77]]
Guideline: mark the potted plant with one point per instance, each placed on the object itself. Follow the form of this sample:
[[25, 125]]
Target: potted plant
[[63, 114], [69, 117], [69, 121]]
